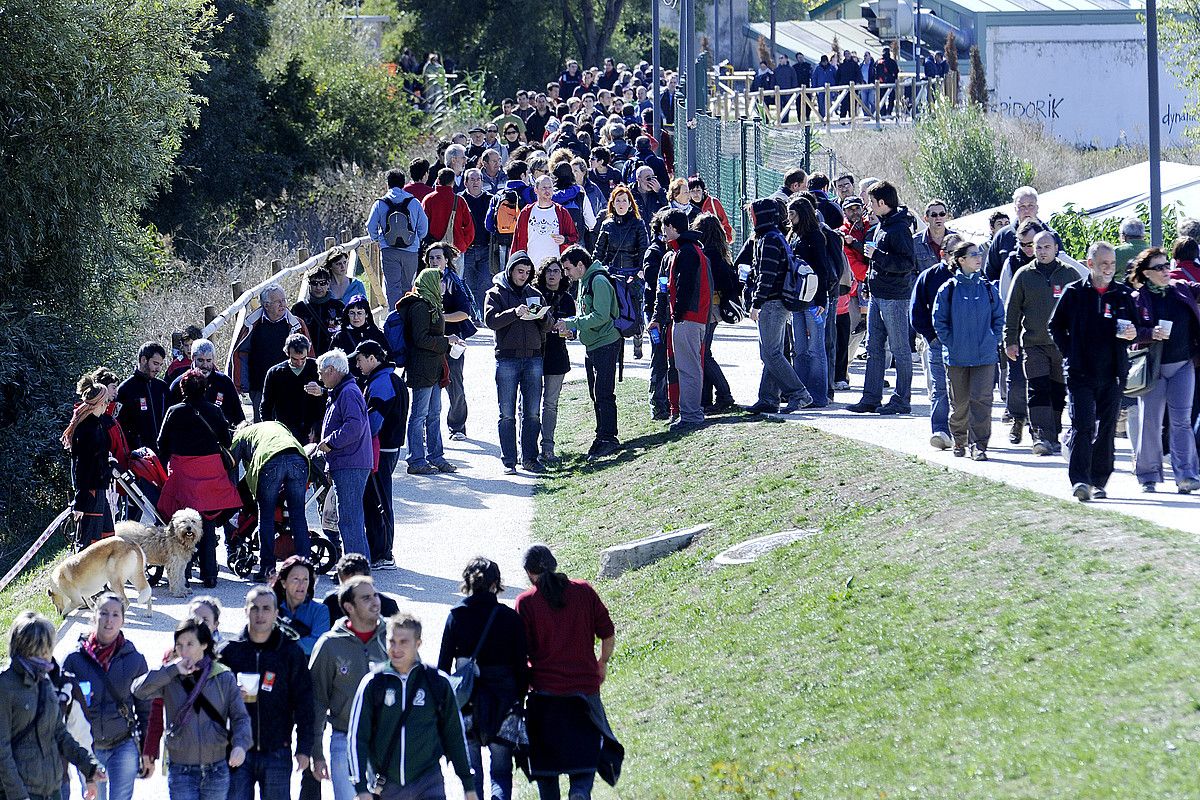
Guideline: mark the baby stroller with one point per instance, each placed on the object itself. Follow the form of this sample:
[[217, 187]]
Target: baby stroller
[[242, 545]]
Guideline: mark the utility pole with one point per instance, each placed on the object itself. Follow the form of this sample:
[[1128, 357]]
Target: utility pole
[[687, 33], [716, 45], [1152, 112], [656, 72], [916, 56], [773, 4]]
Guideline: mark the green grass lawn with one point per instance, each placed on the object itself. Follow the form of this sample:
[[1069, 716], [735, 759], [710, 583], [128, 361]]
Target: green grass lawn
[[940, 636], [27, 592]]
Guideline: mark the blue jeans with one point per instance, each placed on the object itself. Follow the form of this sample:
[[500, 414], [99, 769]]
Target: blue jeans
[[1171, 392], [350, 485], [198, 781], [425, 427], [500, 770], [580, 787], [272, 772], [477, 273], [524, 374], [933, 360], [808, 352], [778, 376], [122, 764], [339, 767], [887, 326], [286, 474]]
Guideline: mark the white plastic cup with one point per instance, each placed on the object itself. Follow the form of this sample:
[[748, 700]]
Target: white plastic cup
[[1166, 326], [1123, 326], [456, 350], [248, 681]]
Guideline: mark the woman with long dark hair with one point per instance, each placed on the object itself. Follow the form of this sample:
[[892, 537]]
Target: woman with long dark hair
[[552, 283], [88, 441], [482, 624], [808, 325], [568, 729], [358, 326], [725, 285], [621, 244]]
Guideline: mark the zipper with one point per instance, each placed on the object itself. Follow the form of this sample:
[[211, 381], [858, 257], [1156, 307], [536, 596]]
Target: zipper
[[258, 701], [403, 737]]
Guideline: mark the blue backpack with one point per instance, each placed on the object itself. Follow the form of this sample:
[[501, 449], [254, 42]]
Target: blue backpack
[[628, 320], [394, 330]]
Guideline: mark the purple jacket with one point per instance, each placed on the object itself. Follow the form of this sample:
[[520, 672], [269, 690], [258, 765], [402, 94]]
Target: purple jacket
[[346, 429], [1186, 291]]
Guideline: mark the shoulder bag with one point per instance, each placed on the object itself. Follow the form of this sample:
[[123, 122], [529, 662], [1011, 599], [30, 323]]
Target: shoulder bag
[[1145, 367], [463, 679], [226, 456]]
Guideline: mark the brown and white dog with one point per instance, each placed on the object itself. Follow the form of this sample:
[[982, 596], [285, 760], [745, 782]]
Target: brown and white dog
[[170, 547], [109, 562]]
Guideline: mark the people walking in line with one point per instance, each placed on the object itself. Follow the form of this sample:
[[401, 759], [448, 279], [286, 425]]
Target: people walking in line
[[925, 292], [399, 224]]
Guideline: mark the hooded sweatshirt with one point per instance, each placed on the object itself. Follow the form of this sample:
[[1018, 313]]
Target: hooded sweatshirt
[[515, 337], [770, 257]]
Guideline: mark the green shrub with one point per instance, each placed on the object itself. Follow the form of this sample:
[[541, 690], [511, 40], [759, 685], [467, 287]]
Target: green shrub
[[1078, 230], [960, 159]]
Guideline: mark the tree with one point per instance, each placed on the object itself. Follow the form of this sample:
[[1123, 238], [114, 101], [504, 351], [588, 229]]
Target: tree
[[951, 52], [977, 88], [591, 31]]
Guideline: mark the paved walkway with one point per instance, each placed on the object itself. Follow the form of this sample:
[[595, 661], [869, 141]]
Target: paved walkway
[[444, 520]]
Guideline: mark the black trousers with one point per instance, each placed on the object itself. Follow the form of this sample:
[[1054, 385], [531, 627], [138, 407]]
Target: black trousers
[[601, 367], [1094, 406]]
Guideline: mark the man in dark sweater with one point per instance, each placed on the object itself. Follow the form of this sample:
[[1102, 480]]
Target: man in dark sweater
[[142, 398], [220, 389], [320, 311], [1092, 326], [292, 393], [281, 703]]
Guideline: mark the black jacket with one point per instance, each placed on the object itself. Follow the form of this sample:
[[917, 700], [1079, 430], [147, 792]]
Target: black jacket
[[515, 337], [894, 264], [323, 321], [427, 342], [813, 250], [1004, 244], [285, 401], [621, 243], [141, 406], [387, 405], [109, 727], [90, 471], [651, 267], [555, 358], [183, 434], [479, 208], [349, 338], [1084, 328], [220, 391], [649, 203], [285, 698], [770, 257]]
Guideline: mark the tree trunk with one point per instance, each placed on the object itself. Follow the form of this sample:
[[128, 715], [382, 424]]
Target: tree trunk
[[591, 35]]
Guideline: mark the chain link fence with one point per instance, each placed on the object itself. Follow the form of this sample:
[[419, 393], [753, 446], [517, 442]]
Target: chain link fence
[[741, 160]]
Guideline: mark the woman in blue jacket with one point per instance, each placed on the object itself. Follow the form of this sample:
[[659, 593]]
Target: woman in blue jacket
[[294, 587], [969, 320]]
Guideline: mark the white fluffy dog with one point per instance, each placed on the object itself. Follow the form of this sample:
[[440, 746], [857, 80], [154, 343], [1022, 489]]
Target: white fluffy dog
[[170, 547]]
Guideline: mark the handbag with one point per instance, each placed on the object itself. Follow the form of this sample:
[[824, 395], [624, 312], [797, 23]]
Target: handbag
[[1145, 367], [226, 456], [463, 679], [513, 733]]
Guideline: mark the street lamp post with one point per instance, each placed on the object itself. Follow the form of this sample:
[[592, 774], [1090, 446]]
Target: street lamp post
[[1152, 111], [655, 72]]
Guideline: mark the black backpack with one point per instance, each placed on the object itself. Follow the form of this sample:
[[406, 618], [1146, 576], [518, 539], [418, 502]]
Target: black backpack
[[398, 230]]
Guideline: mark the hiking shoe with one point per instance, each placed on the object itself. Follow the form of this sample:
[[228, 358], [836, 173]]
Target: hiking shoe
[[893, 409], [1042, 448], [762, 408], [510, 469], [1006, 418], [1082, 492], [941, 440], [533, 466], [637, 348], [959, 451], [423, 469], [549, 459], [842, 386], [797, 403], [384, 564], [683, 426], [444, 466], [1018, 430], [660, 415], [458, 436], [978, 454], [1056, 448], [1148, 487], [721, 406], [862, 407], [603, 449], [1188, 485], [1098, 493]]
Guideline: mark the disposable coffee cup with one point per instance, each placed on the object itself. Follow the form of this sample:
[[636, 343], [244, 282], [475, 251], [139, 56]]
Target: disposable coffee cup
[[1123, 326], [248, 681], [456, 350], [1166, 326]]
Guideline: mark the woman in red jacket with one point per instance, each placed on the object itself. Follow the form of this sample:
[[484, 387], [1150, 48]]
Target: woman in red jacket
[[706, 203]]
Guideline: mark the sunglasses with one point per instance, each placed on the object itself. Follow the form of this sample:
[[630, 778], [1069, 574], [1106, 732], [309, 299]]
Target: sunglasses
[[318, 283], [493, 130], [1025, 244], [1159, 267], [974, 253], [938, 214]]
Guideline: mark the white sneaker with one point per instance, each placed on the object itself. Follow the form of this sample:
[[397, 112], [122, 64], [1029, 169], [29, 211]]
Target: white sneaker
[[941, 440]]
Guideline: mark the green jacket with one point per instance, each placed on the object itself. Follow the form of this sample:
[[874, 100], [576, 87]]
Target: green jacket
[[1034, 294], [255, 445], [1125, 253], [598, 309], [339, 662], [433, 727]]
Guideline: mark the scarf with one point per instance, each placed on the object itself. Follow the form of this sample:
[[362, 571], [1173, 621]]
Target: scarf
[[1161, 291], [188, 706], [80, 413], [37, 667], [428, 287], [103, 655]]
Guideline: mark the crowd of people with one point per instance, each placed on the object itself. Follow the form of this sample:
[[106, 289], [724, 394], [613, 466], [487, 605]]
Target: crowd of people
[[229, 715], [560, 220]]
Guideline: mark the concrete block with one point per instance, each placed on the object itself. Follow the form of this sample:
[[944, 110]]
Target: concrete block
[[633, 555]]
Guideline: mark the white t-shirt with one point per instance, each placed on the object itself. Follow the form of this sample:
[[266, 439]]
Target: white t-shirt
[[543, 223]]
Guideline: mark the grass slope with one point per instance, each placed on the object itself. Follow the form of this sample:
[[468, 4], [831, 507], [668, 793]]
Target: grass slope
[[940, 636], [27, 592]]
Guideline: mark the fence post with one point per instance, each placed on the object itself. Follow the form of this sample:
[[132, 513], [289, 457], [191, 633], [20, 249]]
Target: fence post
[[276, 265], [808, 148], [210, 313], [330, 242], [878, 103], [236, 288], [301, 255], [828, 110], [345, 236], [742, 199]]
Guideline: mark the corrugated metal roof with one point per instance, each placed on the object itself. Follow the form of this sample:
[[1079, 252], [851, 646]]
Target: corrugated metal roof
[[813, 38], [1019, 6]]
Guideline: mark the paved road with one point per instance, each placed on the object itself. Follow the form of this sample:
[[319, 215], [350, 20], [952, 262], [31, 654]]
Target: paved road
[[443, 521]]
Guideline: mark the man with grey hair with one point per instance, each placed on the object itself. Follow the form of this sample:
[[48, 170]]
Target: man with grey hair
[[1190, 227], [475, 266], [221, 390], [491, 173], [1133, 241], [260, 342], [346, 443], [1092, 326], [456, 160], [1025, 203]]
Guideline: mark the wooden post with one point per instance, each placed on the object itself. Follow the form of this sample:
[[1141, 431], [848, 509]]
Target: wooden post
[[853, 102], [236, 288], [330, 242], [778, 107], [345, 235], [210, 313], [301, 255], [276, 265], [828, 109], [878, 103]]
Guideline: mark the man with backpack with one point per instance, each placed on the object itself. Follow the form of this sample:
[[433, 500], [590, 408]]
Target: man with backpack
[[771, 265], [595, 324], [398, 223], [501, 219], [405, 717]]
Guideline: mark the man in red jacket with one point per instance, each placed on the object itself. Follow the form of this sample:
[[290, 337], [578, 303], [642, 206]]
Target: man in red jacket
[[544, 229], [689, 288], [449, 217]]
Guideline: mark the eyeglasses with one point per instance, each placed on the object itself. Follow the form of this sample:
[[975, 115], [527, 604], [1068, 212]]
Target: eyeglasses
[[974, 253], [1159, 267], [493, 130], [318, 282], [1025, 244], [553, 271], [937, 214]]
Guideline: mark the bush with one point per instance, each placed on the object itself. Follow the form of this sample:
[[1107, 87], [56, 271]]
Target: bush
[[1078, 230], [961, 160]]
